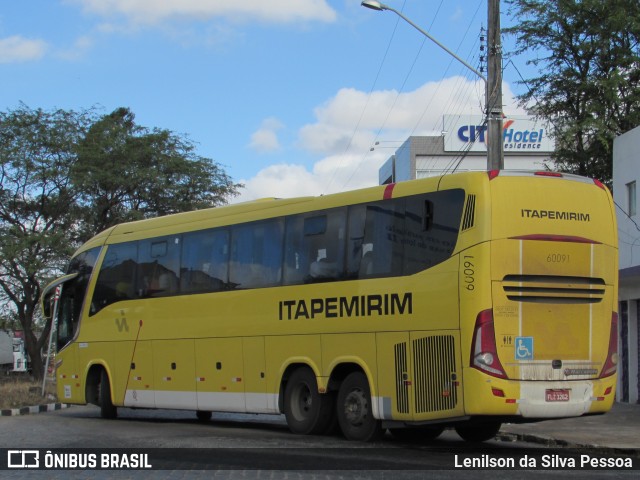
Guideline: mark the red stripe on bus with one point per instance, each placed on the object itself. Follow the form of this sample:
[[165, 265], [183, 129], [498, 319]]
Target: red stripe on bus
[[388, 191]]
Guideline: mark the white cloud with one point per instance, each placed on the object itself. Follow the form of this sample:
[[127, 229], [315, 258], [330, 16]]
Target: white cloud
[[19, 49], [459, 13], [154, 11], [403, 114], [329, 175], [282, 180], [265, 139], [81, 46], [347, 159]]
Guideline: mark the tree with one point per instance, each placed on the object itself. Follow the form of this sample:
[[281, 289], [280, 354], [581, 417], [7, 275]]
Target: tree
[[587, 53], [36, 210], [67, 175], [127, 172]]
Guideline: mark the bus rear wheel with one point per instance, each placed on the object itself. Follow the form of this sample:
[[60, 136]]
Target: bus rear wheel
[[306, 410], [478, 432], [354, 409], [107, 408]]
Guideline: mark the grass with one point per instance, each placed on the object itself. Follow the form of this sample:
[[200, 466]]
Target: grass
[[23, 391]]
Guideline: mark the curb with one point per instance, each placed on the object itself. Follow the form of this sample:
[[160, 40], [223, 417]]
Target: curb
[[553, 442], [10, 412]]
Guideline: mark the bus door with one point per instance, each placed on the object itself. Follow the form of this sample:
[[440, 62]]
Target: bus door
[[60, 309], [66, 301]]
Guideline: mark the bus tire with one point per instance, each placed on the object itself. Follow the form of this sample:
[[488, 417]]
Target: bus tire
[[417, 434], [107, 408], [306, 410], [478, 432], [354, 409], [203, 415]]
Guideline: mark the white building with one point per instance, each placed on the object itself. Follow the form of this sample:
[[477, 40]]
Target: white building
[[626, 174], [461, 147]]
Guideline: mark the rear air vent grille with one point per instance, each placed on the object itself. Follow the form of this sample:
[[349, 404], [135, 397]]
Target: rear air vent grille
[[468, 219], [435, 367], [553, 289], [402, 386]]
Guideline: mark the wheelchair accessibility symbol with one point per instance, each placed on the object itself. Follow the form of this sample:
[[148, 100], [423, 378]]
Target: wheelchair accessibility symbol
[[524, 348]]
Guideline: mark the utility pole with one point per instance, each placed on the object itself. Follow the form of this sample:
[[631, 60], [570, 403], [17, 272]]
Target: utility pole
[[495, 147], [493, 81]]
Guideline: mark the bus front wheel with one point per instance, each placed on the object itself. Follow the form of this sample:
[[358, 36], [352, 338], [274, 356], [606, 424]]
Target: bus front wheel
[[478, 432], [354, 408], [306, 410], [107, 408]]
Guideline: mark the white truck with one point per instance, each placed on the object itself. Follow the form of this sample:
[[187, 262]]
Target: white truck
[[20, 358], [6, 352], [13, 356]]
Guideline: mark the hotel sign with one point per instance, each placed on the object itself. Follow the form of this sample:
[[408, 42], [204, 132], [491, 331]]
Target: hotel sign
[[520, 133]]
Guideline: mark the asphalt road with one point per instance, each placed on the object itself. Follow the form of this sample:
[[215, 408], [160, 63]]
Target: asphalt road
[[260, 446]]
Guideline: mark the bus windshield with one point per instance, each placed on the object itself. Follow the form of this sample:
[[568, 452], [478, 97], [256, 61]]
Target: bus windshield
[[72, 295]]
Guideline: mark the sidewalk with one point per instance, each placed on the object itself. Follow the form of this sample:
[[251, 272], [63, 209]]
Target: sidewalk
[[617, 430]]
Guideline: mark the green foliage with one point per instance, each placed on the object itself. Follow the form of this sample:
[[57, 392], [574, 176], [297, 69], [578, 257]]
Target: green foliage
[[126, 172], [36, 205], [67, 175], [587, 53]]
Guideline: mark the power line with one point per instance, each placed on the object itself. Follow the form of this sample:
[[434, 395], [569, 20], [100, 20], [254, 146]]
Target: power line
[[373, 85], [400, 91]]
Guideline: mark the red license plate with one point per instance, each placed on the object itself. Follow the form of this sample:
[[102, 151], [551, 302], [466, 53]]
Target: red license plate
[[557, 395]]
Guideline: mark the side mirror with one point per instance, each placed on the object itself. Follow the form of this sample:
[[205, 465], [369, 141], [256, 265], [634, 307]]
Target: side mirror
[[47, 304], [51, 294]]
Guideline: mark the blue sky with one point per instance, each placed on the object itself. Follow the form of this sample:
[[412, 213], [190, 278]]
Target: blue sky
[[288, 95]]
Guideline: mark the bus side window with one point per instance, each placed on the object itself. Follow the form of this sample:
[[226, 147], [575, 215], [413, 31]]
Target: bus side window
[[117, 277], [355, 244], [267, 252], [296, 259], [384, 230], [256, 254], [324, 239], [431, 228], [158, 266], [205, 261]]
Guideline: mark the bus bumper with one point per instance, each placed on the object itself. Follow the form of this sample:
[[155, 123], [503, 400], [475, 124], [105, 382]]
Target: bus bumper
[[486, 395]]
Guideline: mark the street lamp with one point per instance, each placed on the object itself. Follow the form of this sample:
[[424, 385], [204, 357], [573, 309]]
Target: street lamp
[[494, 147], [381, 6]]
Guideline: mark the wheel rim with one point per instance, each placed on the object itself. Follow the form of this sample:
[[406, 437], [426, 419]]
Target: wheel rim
[[301, 406], [356, 407]]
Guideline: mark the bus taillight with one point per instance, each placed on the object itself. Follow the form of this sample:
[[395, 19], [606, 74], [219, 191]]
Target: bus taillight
[[484, 354], [611, 364]]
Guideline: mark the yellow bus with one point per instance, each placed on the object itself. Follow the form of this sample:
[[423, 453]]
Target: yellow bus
[[459, 301]]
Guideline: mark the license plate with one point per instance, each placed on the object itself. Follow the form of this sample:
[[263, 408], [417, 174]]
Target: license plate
[[557, 395]]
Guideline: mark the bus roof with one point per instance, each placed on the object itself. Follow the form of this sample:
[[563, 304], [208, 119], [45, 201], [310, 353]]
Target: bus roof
[[255, 210], [271, 207]]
